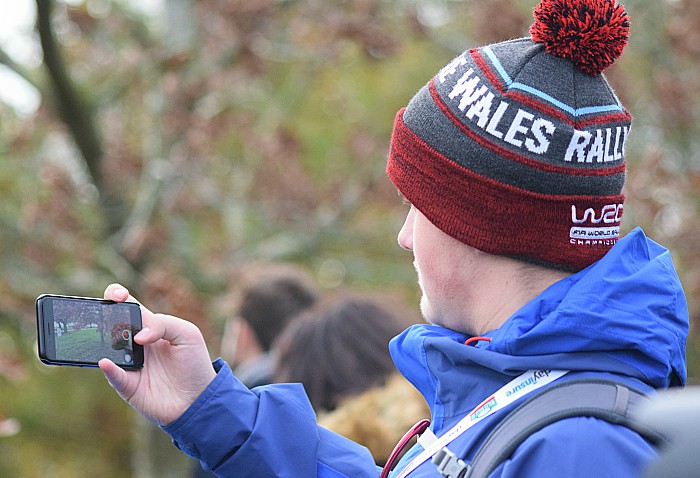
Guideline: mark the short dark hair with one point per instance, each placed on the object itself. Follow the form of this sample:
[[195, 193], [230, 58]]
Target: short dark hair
[[270, 295]]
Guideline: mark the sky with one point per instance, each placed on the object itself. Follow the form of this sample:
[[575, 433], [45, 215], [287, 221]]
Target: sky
[[18, 39]]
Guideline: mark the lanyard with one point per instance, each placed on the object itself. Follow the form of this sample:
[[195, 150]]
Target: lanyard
[[509, 393]]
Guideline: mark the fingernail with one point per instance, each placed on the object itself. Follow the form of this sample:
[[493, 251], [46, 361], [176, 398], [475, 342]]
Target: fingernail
[[121, 293]]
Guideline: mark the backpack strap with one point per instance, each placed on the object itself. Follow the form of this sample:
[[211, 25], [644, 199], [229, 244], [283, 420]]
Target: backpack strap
[[604, 399]]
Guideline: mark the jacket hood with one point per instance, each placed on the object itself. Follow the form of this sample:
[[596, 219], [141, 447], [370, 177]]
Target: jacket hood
[[625, 314]]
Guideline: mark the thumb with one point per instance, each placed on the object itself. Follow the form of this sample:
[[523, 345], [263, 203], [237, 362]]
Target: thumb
[[116, 376]]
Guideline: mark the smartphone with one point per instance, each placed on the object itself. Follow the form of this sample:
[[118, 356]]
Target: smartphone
[[80, 331]]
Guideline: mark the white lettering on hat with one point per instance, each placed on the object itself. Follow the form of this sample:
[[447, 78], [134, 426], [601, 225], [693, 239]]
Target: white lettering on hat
[[517, 127], [595, 233], [465, 88], [481, 109], [537, 126], [451, 68], [594, 236], [526, 130], [609, 214], [597, 150], [496, 118], [584, 150]]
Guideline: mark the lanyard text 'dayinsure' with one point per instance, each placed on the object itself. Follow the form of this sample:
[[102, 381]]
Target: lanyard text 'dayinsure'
[[509, 393]]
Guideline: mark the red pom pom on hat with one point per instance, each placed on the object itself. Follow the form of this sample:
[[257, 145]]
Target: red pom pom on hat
[[590, 33]]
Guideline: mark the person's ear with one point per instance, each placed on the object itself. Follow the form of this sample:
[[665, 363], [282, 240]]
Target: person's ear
[[239, 343]]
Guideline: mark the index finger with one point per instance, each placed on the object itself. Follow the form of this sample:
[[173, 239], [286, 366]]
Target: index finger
[[119, 293]]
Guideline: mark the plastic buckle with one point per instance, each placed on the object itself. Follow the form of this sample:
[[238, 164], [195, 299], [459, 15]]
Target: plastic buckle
[[449, 465]]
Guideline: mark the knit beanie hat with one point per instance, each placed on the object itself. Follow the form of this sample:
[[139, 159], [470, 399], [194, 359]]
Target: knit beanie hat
[[517, 148]]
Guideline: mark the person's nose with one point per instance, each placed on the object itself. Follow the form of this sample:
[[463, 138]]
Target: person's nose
[[405, 237]]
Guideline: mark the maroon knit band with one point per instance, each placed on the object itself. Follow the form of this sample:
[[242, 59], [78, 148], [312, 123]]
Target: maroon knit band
[[566, 232]]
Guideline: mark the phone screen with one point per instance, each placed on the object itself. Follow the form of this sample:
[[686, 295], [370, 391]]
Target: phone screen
[[81, 331]]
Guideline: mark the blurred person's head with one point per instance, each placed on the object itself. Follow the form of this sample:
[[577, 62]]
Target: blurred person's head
[[266, 296], [338, 348]]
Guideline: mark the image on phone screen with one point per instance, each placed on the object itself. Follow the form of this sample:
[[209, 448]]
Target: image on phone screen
[[77, 331]]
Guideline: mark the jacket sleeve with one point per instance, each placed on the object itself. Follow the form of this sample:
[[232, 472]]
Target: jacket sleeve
[[579, 447], [270, 431]]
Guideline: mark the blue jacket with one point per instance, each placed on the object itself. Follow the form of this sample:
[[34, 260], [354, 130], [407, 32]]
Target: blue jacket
[[624, 317]]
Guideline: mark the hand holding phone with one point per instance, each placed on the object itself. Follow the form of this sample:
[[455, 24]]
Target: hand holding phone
[[80, 331], [177, 371]]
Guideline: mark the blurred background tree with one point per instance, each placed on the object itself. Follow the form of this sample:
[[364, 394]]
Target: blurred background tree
[[174, 144]]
